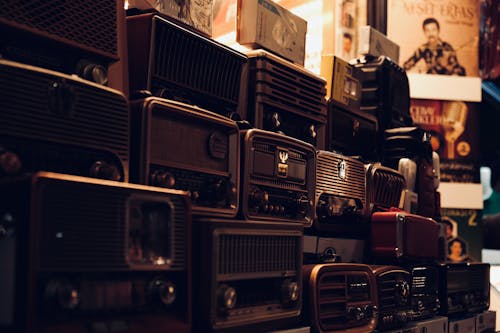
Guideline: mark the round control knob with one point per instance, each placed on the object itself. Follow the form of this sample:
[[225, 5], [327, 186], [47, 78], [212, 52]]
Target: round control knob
[[162, 292], [94, 72], [290, 292], [302, 205], [223, 191], [356, 313], [61, 295], [10, 163], [401, 317], [162, 178], [276, 120], [258, 198], [105, 170], [226, 297]]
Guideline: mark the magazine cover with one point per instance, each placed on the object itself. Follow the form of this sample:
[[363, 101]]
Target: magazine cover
[[436, 36], [463, 234], [453, 126]]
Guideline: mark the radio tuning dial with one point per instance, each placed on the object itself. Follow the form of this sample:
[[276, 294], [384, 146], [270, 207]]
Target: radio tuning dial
[[259, 198], [162, 292], [10, 163], [162, 178], [93, 72], [224, 190], [290, 292], [61, 295], [104, 170], [226, 297]]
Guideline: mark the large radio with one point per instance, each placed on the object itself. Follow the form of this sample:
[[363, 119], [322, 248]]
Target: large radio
[[176, 145], [286, 98], [349, 130], [250, 275], [66, 36], [401, 236], [340, 297], [55, 122], [384, 187], [80, 253], [464, 288], [320, 250], [278, 177], [393, 297], [340, 199], [424, 291], [175, 63]]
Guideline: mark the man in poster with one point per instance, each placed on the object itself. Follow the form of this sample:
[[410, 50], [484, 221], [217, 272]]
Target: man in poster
[[439, 56]]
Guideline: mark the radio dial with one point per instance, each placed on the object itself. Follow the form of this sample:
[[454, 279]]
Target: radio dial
[[162, 178], [290, 292], [10, 163], [162, 292], [259, 198], [224, 190], [62, 295], [226, 297], [401, 317], [93, 72], [104, 170], [356, 313]]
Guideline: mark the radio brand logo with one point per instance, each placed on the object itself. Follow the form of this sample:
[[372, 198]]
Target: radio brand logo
[[342, 167], [282, 164]]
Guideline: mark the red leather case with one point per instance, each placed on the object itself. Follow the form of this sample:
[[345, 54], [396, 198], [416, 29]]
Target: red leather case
[[402, 236]]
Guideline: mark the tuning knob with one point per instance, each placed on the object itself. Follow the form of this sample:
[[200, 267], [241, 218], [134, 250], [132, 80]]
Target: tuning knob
[[162, 178], [105, 170], [226, 297], [162, 292], [258, 198], [93, 72], [290, 292], [356, 313], [224, 191], [10, 163], [61, 295]]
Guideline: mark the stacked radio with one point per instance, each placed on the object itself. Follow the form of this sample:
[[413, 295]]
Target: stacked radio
[[153, 179]]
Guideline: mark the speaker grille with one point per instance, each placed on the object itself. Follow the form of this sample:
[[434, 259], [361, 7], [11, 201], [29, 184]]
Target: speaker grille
[[385, 187], [258, 254], [91, 23]]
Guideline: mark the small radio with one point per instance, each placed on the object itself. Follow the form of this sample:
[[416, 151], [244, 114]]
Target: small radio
[[393, 297], [80, 253], [320, 250], [384, 187], [60, 123], [401, 236], [278, 177], [250, 275], [339, 297], [464, 288], [340, 199], [349, 130], [180, 146], [69, 37], [286, 98], [175, 63], [424, 291]]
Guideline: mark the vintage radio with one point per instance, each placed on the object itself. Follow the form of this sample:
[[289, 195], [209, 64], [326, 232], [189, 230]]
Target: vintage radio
[[486, 322], [319, 250], [349, 130], [401, 236], [286, 98], [393, 297], [65, 36], [80, 253], [424, 291], [175, 63], [385, 92], [434, 325], [374, 43], [384, 187], [278, 177], [250, 275], [339, 297], [340, 200], [176, 145], [464, 288], [55, 122], [462, 325]]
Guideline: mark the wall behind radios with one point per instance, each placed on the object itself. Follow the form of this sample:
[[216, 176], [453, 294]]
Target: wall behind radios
[[215, 190]]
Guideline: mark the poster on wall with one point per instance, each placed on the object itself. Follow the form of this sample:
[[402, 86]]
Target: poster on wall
[[464, 234], [453, 126], [436, 36]]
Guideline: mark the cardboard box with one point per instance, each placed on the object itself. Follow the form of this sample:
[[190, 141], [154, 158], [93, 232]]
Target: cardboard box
[[265, 24], [373, 42]]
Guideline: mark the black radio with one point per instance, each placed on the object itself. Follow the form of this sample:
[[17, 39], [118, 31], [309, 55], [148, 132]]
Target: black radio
[[340, 199], [339, 297], [70, 37], [250, 275], [286, 98], [384, 187], [278, 177], [393, 295], [180, 146], [56, 122], [349, 130], [464, 288], [424, 291], [175, 63], [83, 253]]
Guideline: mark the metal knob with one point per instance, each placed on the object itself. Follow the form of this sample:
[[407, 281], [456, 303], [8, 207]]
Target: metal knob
[[162, 178], [258, 198], [226, 297], [10, 163], [61, 295], [94, 72], [162, 292], [104, 170]]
